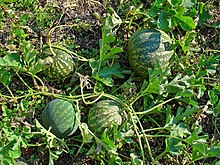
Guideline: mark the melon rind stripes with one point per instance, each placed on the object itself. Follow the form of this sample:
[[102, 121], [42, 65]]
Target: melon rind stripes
[[104, 114], [147, 46], [63, 64], [61, 117]]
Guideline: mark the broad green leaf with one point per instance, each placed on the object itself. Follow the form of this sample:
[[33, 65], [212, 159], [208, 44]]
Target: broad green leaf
[[29, 53], [153, 11], [198, 146], [19, 32], [114, 51], [11, 60], [104, 50], [105, 138], [179, 83], [2, 62], [5, 77], [185, 22], [174, 2], [93, 65], [105, 80], [175, 145], [115, 70], [188, 112], [186, 93], [213, 97], [193, 13], [214, 151], [194, 135], [24, 18], [106, 74], [100, 69], [163, 21], [180, 130], [109, 38], [14, 153], [154, 87], [39, 66], [204, 14]]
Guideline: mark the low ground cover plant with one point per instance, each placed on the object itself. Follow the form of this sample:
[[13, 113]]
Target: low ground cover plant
[[101, 82]]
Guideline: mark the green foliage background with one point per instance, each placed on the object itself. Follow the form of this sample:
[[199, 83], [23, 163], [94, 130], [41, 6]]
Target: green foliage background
[[171, 117]]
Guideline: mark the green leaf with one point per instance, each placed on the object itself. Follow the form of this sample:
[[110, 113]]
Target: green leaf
[[163, 21], [189, 37], [19, 32], [179, 84], [204, 14], [213, 98], [14, 153], [110, 143], [11, 60], [114, 70], [174, 145], [199, 146], [109, 38], [214, 151], [154, 87], [185, 22], [153, 11], [39, 66], [100, 69], [105, 75], [189, 111], [113, 52], [174, 2], [186, 93], [5, 77], [93, 65], [105, 80], [29, 53], [104, 51]]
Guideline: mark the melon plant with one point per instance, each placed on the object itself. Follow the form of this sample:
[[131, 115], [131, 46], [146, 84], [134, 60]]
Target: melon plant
[[147, 46], [104, 114], [60, 116], [61, 63]]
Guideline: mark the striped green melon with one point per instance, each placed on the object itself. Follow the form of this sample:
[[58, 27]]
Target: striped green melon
[[147, 46], [104, 114], [61, 64], [60, 116]]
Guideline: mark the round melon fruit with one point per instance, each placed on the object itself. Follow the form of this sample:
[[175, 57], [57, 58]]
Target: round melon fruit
[[60, 116], [147, 46], [104, 114], [61, 64]]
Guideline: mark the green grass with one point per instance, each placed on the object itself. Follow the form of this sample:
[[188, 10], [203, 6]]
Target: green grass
[[170, 117]]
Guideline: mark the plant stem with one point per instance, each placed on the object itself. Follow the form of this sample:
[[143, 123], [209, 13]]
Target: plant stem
[[157, 106]]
